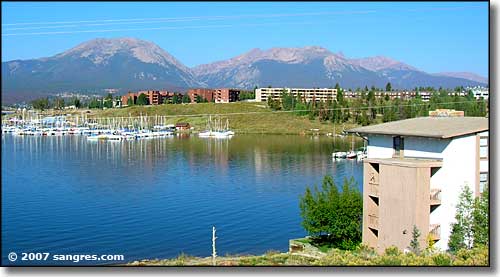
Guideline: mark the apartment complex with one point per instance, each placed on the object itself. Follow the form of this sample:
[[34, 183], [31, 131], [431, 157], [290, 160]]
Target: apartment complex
[[480, 92], [154, 97], [308, 94], [413, 175], [323, 94], [226, 95], [220, 95], [204, 93]]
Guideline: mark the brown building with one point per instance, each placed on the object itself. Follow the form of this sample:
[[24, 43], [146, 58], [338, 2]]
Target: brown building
[[128, 96], [154, 97], [182, 126], [204, 93], [226, 95]]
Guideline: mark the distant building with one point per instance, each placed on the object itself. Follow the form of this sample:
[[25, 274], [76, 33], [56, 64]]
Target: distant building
[[204, 93], [154, 97], [308, 94], [117, 103], [182, 126], [125, 98], [480, 92], [226, 95], [413, 174], [446, 113], [219, 95]]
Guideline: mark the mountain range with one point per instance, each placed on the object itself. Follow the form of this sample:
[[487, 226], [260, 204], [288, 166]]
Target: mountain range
[[132, 64]]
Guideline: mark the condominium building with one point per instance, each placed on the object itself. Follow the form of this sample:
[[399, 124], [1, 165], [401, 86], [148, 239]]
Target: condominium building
[[308, 94], [204, 93], [413, 175], [154, 97], [481, 92], [226, 95]]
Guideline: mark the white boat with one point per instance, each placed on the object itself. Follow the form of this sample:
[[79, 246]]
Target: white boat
[[339, 155], [351, 155]]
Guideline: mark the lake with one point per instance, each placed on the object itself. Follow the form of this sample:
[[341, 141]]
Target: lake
[[159, 198]]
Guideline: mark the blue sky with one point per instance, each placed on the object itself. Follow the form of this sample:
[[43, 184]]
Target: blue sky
[[431, 36]]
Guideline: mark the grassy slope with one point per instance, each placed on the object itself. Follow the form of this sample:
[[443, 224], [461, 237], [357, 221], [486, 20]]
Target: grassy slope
[[269, 123], [334, 257]]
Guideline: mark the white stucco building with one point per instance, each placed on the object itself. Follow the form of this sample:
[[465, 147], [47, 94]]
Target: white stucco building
[[308, 94], [413, 175]]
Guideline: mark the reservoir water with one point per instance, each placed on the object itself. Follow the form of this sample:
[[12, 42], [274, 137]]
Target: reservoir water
[[159, 198]]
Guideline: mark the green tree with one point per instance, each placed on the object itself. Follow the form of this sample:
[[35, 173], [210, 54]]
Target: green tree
[[59, 103], [461, 236], [77, 103], [130, 101], [142, 100], [108, 101], [388, 87], [175, 99], [41, 103], [333, 213], [287, 101], [414, 243], [480, 227], [95, 104], [186, 99]]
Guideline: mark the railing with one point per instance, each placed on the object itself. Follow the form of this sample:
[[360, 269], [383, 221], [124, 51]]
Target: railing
[[435, 197], [435, 231], [373, 221]]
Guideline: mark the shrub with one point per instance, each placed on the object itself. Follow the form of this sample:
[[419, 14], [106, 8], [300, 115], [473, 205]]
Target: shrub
[[333, 217]]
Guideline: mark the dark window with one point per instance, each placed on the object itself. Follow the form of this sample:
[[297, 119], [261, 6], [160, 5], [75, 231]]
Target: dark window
[[398, 145]]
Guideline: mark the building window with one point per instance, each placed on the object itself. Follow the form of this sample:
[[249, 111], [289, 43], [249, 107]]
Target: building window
[[483, 181], [398, 146], [483, 147]]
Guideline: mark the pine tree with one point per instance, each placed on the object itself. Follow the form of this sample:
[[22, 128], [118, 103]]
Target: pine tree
[[142, 99], [414, 243], [388, 87]]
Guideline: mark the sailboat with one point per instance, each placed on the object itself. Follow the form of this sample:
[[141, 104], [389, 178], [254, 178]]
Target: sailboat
[[208, 132], [352, 154], [218, 131]]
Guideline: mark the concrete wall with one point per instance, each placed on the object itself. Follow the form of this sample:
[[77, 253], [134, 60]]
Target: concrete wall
[[458, 170], [404, 202]]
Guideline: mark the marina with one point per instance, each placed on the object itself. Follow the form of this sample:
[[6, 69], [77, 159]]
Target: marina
[[142, 127]]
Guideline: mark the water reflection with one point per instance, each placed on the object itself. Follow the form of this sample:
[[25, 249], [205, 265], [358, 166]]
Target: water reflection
[[155, 198]]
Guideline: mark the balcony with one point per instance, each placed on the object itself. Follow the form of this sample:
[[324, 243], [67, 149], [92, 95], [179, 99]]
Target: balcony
[[373, 221], [435, 197], [435, 231], [373, 189]]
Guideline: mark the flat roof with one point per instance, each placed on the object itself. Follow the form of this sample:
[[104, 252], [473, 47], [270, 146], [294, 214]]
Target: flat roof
[[408, 162], [432, 127]]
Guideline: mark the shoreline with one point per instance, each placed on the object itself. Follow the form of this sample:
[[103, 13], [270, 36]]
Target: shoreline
[[243, 117]]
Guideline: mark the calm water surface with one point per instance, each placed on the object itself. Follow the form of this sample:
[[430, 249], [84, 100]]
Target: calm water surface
[[159, 198]]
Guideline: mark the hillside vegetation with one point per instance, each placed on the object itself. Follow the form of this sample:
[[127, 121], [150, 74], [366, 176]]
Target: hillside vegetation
[[244, 117], [360, 257]]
